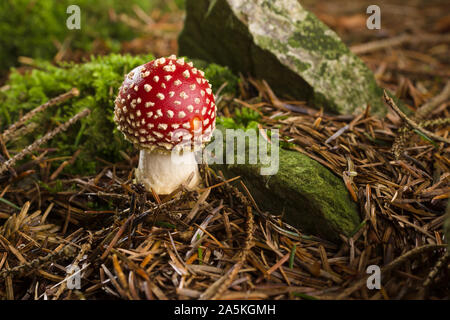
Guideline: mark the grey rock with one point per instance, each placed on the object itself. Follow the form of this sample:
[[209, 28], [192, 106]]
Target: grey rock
[[281, 42]]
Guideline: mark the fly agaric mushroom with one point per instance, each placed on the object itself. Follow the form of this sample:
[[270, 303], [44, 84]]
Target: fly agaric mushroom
[[164, 108]]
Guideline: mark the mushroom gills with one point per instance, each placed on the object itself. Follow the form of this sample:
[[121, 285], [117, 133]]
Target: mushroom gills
[[164, 172]]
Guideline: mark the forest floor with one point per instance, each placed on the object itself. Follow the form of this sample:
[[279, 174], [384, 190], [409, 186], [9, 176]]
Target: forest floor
[[216, 243]]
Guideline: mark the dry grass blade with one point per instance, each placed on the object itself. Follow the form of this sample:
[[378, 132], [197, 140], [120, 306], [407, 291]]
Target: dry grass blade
[[390, 267]]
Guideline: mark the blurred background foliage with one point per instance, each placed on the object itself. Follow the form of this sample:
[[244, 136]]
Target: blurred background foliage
[[37, 28]]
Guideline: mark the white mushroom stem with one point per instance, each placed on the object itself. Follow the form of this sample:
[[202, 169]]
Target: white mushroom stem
[[165, 172]]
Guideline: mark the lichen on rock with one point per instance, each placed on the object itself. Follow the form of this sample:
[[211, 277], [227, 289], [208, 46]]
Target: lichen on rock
[[281, 42]]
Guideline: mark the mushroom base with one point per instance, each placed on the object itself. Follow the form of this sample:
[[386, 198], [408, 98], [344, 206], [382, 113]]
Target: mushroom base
[[164, 172]]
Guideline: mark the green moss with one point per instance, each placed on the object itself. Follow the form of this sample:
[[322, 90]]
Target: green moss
[[98, 82], [244, 118], [310, 37], [318, 196], [300, 65], [269, 4], [31, 28]]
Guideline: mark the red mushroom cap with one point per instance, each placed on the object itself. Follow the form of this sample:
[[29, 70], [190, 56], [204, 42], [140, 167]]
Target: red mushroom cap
[[164, 102]]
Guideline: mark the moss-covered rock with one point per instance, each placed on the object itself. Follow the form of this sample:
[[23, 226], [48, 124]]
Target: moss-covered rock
[[447, 225], [98, 82], [304, 192], [283, 43]]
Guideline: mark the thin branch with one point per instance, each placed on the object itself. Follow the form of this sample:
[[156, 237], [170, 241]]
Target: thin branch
[[22, 131], [392, 266], [404, 132], [243, 257], [435, 270], [11, 162], [412, 123], [397, 41]]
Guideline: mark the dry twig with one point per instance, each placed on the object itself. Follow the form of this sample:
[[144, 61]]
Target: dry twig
[[6, 135], [28, 150]]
